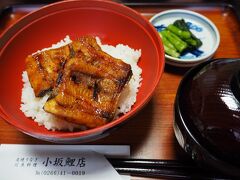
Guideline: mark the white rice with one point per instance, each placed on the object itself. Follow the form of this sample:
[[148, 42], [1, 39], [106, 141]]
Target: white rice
[[32, 106], [61, 43]]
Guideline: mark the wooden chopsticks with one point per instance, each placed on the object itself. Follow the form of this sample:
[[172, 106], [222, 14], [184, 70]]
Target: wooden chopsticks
[[168, 169]]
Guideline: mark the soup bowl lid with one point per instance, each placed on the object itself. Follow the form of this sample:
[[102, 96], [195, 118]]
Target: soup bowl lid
[[207, 106]]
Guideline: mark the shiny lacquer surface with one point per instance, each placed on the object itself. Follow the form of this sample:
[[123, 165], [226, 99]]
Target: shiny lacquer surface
[[209, 104], [26, 36], [150, 132]]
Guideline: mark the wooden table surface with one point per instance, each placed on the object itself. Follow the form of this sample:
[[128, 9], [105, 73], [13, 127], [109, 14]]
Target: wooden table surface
[[150, 133]]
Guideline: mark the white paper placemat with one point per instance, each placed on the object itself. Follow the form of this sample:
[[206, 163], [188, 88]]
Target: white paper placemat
[[62, 162]]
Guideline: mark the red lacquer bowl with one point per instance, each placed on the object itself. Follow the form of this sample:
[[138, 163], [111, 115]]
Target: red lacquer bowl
[[112, 22]]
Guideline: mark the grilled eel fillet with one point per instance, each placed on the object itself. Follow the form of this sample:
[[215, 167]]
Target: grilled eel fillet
[[45, 69], [85, 81]]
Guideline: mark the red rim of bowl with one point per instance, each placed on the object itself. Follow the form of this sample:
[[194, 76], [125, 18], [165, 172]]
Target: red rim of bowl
[[138, 18]]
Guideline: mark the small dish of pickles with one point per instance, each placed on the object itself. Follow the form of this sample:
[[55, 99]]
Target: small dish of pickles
[[189, 38]]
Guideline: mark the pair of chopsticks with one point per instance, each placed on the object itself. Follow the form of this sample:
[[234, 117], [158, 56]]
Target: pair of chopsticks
[[168, 169]]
